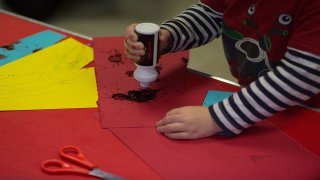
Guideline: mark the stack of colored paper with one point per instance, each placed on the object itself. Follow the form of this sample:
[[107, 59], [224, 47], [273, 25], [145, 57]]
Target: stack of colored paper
[[43, 71]]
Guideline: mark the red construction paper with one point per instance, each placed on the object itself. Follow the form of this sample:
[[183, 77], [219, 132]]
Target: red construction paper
[[262, 152], [30, 137], [113, 77], [301, 124]]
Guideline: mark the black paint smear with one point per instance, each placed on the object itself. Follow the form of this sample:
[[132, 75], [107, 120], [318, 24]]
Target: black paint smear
[[142, 95], [2, 56], [10, 46], [185, 60], [159, 69], [256, 158], [115, 57], [36, 50], [129, 73]]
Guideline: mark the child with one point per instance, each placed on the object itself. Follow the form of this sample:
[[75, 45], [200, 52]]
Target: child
[[272, 47]]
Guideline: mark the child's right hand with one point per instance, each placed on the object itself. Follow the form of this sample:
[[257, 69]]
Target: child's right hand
[[189, 122], [135, 49]]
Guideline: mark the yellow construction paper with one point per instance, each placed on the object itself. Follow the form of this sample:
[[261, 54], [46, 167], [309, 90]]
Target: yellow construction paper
[[48, 90], [68, 54]]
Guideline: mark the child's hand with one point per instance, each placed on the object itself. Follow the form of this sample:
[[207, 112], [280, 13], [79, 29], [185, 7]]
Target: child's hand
[[191, 122], [135, 49]]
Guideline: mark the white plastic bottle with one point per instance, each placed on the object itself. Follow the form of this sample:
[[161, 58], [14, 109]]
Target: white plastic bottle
[[148, 34]]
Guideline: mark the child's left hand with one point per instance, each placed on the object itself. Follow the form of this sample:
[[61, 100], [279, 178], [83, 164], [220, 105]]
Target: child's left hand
[[190, 122]]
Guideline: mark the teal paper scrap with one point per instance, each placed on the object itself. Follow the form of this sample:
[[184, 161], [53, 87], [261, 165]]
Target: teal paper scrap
[[215, 96], [28, 45]]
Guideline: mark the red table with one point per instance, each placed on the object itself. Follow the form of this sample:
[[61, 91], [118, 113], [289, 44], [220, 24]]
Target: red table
[[29, 137]]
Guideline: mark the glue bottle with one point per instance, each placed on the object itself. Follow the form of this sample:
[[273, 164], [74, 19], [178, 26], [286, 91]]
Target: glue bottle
[[148, 34]]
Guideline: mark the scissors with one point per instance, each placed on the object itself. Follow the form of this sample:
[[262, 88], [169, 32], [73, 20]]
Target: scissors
[[74, 155]]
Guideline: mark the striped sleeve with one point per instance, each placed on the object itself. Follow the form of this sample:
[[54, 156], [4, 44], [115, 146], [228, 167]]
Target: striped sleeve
[[295, 81], [195, 26]]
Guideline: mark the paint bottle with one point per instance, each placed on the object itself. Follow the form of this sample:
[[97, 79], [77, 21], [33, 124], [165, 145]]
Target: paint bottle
[[148, 34]]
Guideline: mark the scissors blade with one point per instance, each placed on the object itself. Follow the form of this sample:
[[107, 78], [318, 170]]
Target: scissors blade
[[104, 175]]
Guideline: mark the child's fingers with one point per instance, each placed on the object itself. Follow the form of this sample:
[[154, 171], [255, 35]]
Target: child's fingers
[[179, 135], [133, 50], [128, 43], [173, 111], [130, 33], [170, 128], [133, 57], [175, 118]]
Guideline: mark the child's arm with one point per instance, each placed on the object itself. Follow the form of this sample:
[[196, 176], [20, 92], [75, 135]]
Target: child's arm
[[196, 26], [292, 83], [296, 81]]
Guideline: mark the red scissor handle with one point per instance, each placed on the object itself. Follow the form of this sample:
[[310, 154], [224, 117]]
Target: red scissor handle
[[74, 154], [56, 166]]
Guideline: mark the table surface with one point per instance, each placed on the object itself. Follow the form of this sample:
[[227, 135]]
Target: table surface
[[28, 137]]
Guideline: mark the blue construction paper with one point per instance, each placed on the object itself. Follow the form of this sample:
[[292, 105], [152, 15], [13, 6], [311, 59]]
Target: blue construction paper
[[28, 45], [215, 96]]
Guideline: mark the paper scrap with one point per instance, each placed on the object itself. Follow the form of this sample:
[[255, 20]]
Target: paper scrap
[[215, 96], [68, 54], [48, 90], [28, 45]]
